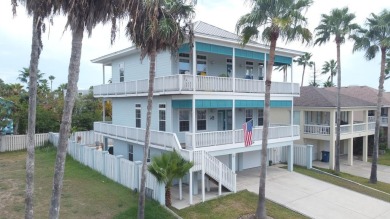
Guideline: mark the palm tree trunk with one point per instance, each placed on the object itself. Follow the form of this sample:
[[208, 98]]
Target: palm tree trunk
[[303, 75], [30, 159], [373, 176], [73, 77], [152, 73], [168, 201], [261, 210], [337, 159]]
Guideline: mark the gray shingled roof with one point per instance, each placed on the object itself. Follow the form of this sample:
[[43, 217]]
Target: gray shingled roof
[[364, 93], [321, 97]]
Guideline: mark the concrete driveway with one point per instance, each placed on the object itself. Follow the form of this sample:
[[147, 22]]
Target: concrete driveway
[[314, 198]]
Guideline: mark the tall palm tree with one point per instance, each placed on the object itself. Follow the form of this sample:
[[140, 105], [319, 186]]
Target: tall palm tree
[[331, 68], [39, 10], [280, 19], [166, 168], [338, 24], [155, 26], [25, 74], [51, 78], [304, 60], [82, 15], [374, 39]]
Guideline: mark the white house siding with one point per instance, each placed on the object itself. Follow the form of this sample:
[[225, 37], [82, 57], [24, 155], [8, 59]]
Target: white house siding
[[122, 148], [280, 116], [123, 111], [164, 64]]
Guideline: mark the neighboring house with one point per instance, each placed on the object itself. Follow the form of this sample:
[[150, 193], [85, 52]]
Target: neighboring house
[[202, 98], [315, 110], [5, 113]]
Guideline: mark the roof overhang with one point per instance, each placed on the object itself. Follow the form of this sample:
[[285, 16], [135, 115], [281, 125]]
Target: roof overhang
[[107, 59]]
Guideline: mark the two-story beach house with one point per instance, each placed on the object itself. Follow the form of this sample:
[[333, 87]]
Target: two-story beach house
[[202, 98], [315, 111]]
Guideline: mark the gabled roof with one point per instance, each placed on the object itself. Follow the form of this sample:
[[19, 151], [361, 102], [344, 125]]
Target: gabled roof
[[322, 97], [202, 30]]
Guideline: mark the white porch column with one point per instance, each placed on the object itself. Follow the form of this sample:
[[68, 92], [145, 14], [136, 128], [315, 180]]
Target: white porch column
[[203, 178], [194, 66], [234, 121], [309, 156], [365, 148], [332, 143], [104, 109], [350, 151], [190, 180], [265, 69], [233, 161], [290, 157], [234, 70], [180, 190], [193, 122], [104, 75]]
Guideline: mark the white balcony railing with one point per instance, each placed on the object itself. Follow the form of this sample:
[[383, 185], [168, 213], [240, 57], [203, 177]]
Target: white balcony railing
[[359, 127], [371, 119], [371, 126], [180, 83], [316, 129], [207, 139], [158, 138]]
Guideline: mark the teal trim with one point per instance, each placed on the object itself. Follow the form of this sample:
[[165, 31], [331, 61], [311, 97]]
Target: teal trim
[[181, 104], [185, 48], [249, 54], [280, 104], [205, 47], [213, 103], [249, 103], [281, 60]]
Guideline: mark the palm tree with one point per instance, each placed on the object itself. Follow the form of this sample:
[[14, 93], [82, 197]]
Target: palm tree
[[81, 16], [25, 74], [331, 68], [284, 69], [280, 19], [328, 84], [39, 9], [338, 23], [168, 167], [51, 78], [156, 26], [374, 39], [304, 60]]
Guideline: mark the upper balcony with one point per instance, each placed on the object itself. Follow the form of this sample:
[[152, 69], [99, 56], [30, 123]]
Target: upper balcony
[[184, 84]]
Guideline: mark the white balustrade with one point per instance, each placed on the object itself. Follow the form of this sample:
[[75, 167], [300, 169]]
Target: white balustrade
[[371, 126], [249, 86], [359, 127], [316, 129], [215, 84], [344, 129]]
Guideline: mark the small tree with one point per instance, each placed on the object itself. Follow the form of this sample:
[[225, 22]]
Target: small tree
[[166, 168]]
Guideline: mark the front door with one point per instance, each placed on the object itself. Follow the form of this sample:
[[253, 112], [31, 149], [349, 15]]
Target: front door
[[225, 119]]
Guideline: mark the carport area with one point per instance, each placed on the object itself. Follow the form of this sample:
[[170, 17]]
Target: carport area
[[314, 198]]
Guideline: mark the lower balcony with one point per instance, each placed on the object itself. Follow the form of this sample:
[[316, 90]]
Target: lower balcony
[[169, 140]]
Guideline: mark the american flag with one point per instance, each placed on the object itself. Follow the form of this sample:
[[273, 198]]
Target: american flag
[[248, 133]]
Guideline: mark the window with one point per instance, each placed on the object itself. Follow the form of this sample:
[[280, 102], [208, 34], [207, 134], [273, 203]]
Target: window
[[122, 72], [201, 65], [201, 119], [161, 117], [383, 111], [229, 67], [260, 117], [249, 70], [131, 152], [248, 115], [184, 120], [138, 115], [184, 63]]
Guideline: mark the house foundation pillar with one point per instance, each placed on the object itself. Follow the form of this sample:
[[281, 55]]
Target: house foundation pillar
[[350, 151], [290, 157], [365, 148]]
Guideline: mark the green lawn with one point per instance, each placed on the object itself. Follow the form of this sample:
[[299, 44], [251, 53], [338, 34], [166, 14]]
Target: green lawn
[[86, 193], [235, 205], [385, 187]]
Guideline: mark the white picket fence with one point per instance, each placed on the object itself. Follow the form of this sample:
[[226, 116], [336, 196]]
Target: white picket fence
[[300, 155], [19, 142], [116, 168]]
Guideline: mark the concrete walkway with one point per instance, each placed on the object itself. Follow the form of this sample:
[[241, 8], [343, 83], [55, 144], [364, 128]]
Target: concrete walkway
[[314, 198], [360, 168]]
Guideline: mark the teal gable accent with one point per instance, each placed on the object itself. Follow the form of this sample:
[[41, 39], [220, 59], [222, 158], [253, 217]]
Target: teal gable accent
[[281, 60], [181, 104], [249, 54], [185, 48], [249, 103], [205, 47], [280, 104], [213, 103]]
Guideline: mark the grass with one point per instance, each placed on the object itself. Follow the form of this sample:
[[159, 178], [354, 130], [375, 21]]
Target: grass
[[384, 159], [385, 187], [234, 206], [86, 193]]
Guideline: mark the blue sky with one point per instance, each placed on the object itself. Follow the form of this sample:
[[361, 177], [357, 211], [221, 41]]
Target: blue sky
[[15, 43]]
